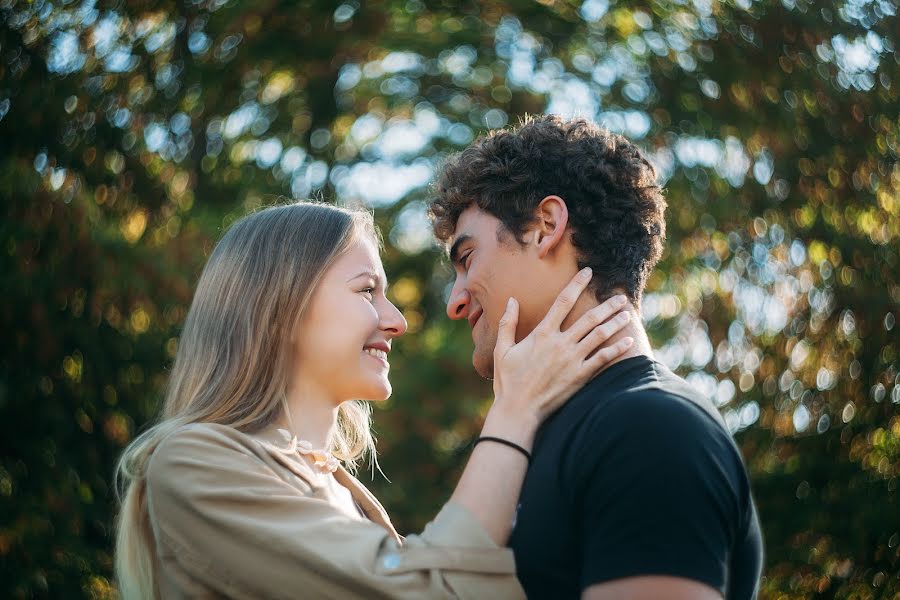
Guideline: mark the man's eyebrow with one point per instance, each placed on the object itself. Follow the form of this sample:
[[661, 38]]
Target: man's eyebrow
[[454, 250]]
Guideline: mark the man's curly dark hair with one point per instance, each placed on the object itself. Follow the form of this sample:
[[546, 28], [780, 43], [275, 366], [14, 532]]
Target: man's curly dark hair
[[616, 208]]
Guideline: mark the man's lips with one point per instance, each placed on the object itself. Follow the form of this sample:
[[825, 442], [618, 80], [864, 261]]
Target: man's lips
[[474, 316]]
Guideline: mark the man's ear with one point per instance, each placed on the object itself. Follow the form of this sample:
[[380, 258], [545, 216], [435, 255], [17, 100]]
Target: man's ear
[[551, 221]]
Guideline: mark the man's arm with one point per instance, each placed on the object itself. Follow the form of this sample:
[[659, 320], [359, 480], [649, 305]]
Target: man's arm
[[651, 587]]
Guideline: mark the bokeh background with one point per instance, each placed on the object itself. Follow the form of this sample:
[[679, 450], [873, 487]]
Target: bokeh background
[[132, 133]]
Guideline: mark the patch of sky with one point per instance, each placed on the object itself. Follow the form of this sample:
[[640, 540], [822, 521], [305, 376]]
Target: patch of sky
[[703, 7], [572, 97], [397, 62], [344, 13], [656, 43], [292, 159], [40, 162], [156, 136], [427, 120], [605, 73], [634, 124], [659, 306], [725, 391], [761, 311], [663, 160], [671, 355], [700, 347], [383, 183], [268, 152], [547, 75], [65, 54], [749, 414], [801, 418], [460, 134], [86, 14], [162, 36], [412, 232], [704, 383], [366, 128], [495, 118], [105, 34], [734, 163], [348, 77], [520, 49], [856, 60], [198, 42], [180, 123], [403, 87], [120, 60], [459, 60], [505, 35], [797, 253], [308, 178], [866, 12], [593, 10], [694, 151], [401, 138], [238, 121]]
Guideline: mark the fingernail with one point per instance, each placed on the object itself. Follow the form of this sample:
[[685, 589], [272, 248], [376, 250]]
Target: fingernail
[[509, 303], [624, 316], [584, 274], [620, 299], [627, 341]]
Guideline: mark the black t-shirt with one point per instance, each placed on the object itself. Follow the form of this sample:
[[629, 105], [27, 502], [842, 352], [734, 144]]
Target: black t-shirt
[[636, 475]]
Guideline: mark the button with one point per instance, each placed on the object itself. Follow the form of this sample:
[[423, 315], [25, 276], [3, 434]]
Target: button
[[391, 561]]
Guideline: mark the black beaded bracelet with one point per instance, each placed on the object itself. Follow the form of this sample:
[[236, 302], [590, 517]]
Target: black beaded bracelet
[[514, 446]]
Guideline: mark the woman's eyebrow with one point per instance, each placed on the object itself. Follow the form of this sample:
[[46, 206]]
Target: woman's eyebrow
[[372, 275]]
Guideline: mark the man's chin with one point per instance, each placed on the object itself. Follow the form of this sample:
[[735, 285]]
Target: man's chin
[[484, 365]]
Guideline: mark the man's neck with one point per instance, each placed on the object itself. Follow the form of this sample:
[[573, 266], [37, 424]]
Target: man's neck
[[633, 329]]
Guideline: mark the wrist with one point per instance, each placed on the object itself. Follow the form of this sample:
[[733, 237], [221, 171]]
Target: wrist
[[518, 427]]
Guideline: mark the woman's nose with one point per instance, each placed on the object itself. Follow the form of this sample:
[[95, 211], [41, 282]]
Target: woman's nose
[[393, 321]]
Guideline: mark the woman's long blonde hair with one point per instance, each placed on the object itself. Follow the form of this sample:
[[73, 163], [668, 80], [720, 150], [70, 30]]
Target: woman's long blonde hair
[[234, 358]]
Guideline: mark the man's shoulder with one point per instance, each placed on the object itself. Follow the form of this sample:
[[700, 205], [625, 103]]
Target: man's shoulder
[[652, 397], [657, 418]]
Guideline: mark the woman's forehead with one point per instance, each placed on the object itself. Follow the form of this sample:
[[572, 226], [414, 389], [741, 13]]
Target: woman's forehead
[[361, 257]]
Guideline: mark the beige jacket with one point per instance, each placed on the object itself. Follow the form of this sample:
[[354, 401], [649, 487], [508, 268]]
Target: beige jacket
[[243, 516]]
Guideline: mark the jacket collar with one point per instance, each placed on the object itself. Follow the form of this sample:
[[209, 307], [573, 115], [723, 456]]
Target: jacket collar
[[281, 450]]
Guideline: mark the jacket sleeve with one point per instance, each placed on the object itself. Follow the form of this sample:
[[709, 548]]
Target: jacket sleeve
[[233, 525]]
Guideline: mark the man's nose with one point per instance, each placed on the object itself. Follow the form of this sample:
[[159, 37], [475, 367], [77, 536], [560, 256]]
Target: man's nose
[[458, 304]]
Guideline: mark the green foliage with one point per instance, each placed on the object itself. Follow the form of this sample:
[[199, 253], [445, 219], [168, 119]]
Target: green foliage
[[132, 133]]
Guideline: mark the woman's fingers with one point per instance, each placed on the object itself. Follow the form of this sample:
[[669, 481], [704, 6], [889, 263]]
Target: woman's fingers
[[601, 333], [596, 316], [506, 329], [603, 356], [563, 304]]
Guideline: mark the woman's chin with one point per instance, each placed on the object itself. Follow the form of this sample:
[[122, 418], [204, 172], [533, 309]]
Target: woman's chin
[[377, 393]]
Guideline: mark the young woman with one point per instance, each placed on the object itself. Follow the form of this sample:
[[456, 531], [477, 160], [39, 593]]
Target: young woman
[[238, 491]]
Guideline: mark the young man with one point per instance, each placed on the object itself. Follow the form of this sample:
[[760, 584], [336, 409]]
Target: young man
[[636, 489]]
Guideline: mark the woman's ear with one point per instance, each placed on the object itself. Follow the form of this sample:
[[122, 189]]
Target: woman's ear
[[551, 221]]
